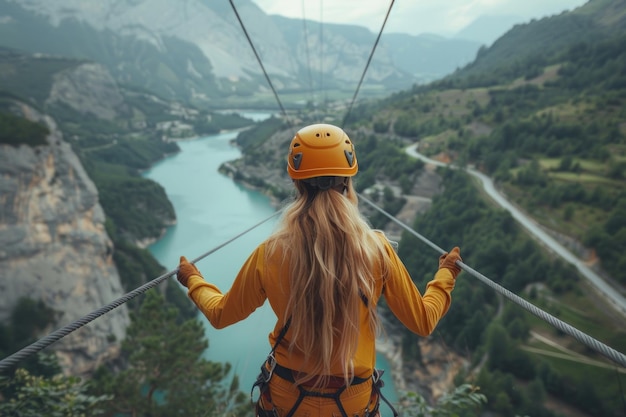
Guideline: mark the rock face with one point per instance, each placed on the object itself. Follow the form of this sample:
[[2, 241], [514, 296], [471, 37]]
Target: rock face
[[54, 247], [217, 59], [88, 88]]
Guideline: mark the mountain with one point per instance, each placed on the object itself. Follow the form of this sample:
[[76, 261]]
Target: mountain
[[536, 43], [195, 51], [428, 56], [486, 29]]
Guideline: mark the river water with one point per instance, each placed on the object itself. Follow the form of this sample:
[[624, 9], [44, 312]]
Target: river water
[[211, 209]]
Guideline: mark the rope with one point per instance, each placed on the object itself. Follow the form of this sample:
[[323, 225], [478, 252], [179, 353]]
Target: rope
[[258, 58], [589, 341], [369, 60], [46, 341], [322, 89], [308, 56]]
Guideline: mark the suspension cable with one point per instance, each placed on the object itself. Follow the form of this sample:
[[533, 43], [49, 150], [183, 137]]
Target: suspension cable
[[589, 341], [258, 58], [322, 88], [308, 56], [46, 341], [369, 60]]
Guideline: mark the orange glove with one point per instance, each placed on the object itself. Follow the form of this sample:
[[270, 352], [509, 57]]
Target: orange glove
[[448, 260], [185, 270]]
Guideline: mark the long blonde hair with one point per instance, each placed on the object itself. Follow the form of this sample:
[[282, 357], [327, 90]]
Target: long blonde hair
[[333, 255]]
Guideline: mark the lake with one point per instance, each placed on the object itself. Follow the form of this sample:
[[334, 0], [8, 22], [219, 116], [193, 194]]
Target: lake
[[211, 208]]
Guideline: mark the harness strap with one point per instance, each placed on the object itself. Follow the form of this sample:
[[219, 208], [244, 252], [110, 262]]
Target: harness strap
[[377, 384], [335, 382], [305, 393], [266, 374], [270, 367]]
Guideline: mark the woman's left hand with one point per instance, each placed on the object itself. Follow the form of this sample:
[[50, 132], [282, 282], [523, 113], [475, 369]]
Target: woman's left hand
[[185, 270]]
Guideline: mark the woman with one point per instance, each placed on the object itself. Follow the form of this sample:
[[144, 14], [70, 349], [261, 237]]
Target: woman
[[323, 271]]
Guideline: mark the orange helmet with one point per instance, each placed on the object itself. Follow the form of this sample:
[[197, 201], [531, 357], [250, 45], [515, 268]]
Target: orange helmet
[[321, 150]]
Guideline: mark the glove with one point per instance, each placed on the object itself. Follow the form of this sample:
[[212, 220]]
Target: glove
[[185, 270], [448, 261]]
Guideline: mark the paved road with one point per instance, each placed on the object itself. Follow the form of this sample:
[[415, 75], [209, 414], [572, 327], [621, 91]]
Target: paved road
[[611, 294]]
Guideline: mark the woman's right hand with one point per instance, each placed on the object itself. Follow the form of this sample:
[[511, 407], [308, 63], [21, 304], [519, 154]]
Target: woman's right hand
[[448, 261]]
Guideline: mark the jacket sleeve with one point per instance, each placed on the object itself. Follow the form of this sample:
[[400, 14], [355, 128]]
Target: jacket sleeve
[[418, 313], [245, 295]]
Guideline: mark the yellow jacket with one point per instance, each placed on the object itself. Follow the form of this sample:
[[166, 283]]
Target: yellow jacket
[[260, 279]]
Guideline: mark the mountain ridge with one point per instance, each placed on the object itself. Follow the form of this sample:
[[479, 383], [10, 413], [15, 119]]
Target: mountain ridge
[[214, 58]]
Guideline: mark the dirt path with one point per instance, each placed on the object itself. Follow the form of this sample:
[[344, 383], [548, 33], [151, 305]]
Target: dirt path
[[567, 354]]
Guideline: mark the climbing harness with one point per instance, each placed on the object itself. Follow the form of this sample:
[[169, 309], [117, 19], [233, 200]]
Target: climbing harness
[[270, 368]]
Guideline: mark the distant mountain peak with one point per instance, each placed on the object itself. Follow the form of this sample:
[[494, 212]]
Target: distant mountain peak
[[487, 28]]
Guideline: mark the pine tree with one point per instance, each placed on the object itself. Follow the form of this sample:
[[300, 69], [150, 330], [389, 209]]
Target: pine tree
[[56, 396], [167, 374]]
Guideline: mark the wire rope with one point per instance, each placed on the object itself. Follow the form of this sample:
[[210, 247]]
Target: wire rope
[[53, 337], [369, 60], [321, 60], [587, 340], [308, 56], [258, 58]]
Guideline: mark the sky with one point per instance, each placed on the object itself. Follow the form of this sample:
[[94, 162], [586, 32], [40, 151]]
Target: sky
[[441, 17]]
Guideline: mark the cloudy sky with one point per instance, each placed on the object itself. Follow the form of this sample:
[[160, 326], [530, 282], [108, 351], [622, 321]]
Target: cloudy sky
[[442, 17]]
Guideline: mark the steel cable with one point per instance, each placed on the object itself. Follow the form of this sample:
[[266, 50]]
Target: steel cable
[[258, 58], [584, 338], [55, 336], [369, 60]]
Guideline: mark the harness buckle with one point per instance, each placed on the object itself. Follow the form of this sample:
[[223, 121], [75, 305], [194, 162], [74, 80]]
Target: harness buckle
[[375, 376], [264, 377], [271, 362]]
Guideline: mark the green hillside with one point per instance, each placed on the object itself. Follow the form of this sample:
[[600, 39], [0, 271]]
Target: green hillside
[[555, 138], [529, 47], [543, 112]]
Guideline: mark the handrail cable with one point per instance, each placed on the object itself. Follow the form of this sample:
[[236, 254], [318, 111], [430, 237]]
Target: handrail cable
[[589, 341], [258, 58], [369, 60], [46, 341]]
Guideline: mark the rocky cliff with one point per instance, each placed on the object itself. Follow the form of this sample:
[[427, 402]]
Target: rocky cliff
[[88, 89], [54, 247]]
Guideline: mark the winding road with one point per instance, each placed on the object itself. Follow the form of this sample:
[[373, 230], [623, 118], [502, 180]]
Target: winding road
[[609, 293]]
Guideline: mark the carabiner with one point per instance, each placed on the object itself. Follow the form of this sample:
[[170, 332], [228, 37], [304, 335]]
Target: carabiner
[[271, 361]]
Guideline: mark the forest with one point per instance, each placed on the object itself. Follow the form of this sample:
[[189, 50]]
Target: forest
[[555, 141]]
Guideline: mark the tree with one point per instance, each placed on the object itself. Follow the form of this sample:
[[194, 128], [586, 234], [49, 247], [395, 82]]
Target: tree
[[57, 396], [166, 373], [28, 319], [464, 400]]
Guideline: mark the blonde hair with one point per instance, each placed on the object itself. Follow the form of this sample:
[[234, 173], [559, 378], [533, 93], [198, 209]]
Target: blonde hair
[[333, 255]]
